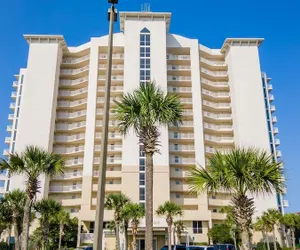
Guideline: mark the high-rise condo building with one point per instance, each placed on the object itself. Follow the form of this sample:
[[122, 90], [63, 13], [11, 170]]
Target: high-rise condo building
[[58, 105]]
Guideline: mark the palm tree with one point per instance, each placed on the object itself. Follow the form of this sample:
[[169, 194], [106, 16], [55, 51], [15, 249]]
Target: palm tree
[[116, 202], [32, 163], [170, 210], [264, 226], [291, 221], [12, 207], [242, 172], [179, 229], [145, 110], [273, 217], [62, 218], [47, 209], [134, 212]]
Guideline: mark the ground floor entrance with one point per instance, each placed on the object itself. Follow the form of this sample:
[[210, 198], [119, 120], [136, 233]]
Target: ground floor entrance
[[141, 244]]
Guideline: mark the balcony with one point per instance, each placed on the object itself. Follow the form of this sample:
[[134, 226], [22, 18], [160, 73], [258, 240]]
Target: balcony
[[116, 148], [178, 57], [218, 216], [222, 128], [72, 72], [62, 188], [271, 98], [112, 123], [218, 202], [14, 95], [221, 74], [173, 89], [274, 119], [114, 67], [74, 162], [70, 202], [110, 160], [177, 135], [73, 60], [109, 187], [285, 203], [74, 93], [11, 117], [187, 112], [6, 152], [214, 84], [185, 201], [70, 126], [109, 174], [9, 128], [216, 139], [12, 106], [68, 150], [111, 136], [216, 116], [7, 140], [212, 150], [113, 99], [213, 63], [71, 104], [272, 108], [275, 130], [69, 175], [270, 87], [186, 100], [185, 124], [179, 78], [69, 138], [70, 115], [113, 78], [179, 67], [277, 142], [179, 188], [216, 94], [15, 84], [113, 89], [182, 160], [182, 148], [114, 56], [216, 105], [70, 83], [86, 238], [278, 154]]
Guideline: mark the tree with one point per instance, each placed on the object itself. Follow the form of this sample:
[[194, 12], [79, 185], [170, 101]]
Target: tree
[[291, 221], [170, 210], [272, 217], [145, 110], [47, 209], [242, 172], [179, 229], [11, 210], [62, 218], [32, 163], [134, 212], [264, 226], [116, 202], [220, 234]]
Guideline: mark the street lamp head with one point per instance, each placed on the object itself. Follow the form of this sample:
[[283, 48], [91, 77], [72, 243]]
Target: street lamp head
[[113, 1]]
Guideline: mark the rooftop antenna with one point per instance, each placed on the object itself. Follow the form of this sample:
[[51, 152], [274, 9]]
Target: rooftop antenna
[[145, 7]]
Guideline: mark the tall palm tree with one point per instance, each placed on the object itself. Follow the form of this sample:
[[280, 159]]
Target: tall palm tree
[[273, 217], [291, 221], [170, 210], [62, 218], [12, 207], [264, 226], [116, 202], [47, 209], [134, 212], [242, 172], [179, 229], [32, 163], [145, 110]]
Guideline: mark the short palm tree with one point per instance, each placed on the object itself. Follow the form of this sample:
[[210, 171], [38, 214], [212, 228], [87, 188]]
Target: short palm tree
[[272, 217], [32, 163], [242, 172], [116, 202], [170, 210], [145, 110], [264, 226], [12, 207], [291, 221], [134, 212], [47, 210], [179, 229], [62, 218]]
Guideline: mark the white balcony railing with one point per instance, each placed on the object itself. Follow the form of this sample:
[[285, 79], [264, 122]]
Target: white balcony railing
[[217, 127], [185, 124], [114, 66], [213, 63], [114, 56], [182, 160], [216, 105], [214, 84], [68, 175], [179, 67], [9, 128], [68, 150], [71, 115], [275, 130], [178, 57], [272, 108], [109, 147], [112, 99], [71, 188], [217, 139], [112, 89], [112, 123], [70, 126], [186, 100], [177, 135], [14, 95], [113, 78], [214, 150], [270, 87], [277, 142], [73, 60], [70, 104], [182, 147], [215, 94], [271, 97], [111, 135], [214, 73], [220, 116], [114, 160], [179, 78], [66, 82], [74, 71], [12, 105], [73, 93], [7, 140], [179, 89], [69, 138], [73, 162], [15, 84]]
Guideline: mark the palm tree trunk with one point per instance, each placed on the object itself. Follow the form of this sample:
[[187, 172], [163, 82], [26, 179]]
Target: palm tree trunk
[[61, 230], [16, 233], [178, 238], [245, 239], [9, 235], [134, 233], [149, 201], [274, 238], [169, 236], [268, 243], [234, 240], [293, 238], [117, 236], [126, 236], [26, 223]]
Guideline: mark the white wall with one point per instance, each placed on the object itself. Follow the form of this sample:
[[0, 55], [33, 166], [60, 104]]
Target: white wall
[[248, 108], [38, 104]]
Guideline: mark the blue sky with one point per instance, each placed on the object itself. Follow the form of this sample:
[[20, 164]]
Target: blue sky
[[210, 21]]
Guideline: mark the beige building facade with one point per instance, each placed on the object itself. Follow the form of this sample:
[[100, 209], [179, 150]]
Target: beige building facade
[[58, 105]]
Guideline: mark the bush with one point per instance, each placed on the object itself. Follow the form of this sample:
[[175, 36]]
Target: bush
[[287, 248], [3, 246], [263, 246], [220, 234], [199, 243]]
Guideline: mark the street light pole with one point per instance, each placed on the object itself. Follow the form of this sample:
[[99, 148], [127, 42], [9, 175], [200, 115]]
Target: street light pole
[[98, 235]]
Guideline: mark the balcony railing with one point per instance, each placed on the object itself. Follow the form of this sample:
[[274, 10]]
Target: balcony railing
[[217, 127], [214, 84], [70, 126], [186, 100], [221, 116], [278, 153], [15, 84], [275, 130], [217, 139], [73, 60], [271, 98], [185, 124], [74, 71], [66, 82], [213, 63], [11, 116], [112, 89], [214, 150], [68, 175], [277, 142], [182, 148], [71, 188], [12, 105], [112, 123], [270, 87], [7, 140], [113, 78], [109, 147], [285, 203], [112, 99], [215, 94], [72, 162], [182, 160], [71, 115], [274, 119], [114, 160], [6, 152], [69, 138], [179, 67], [9, 128], [73, 93], [114, 66], [216, 105], [179, 78], [110, 136], [68, 150], [114, 56], [181, 135], [214, 73], [70, 104], [272, 108], [14, 95], [179, 89], [178, 57]]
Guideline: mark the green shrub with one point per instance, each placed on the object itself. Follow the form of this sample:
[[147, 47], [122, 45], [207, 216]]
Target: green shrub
[[263, 246], [287, 248], [199, 243], [3, 246]]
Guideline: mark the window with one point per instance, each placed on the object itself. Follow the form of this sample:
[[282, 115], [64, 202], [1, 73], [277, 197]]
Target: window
[[142, 194], [142, 179], [92, 226], [111, 158], [197, 227], [213, 197], [72, 210], [7, 186], [142, 164], [176, 135], [176, 159], [2, 183], [73, 197], [177, 169], [75, 172], [3, 172], [177, 196], [177, 182], [1, 196], [215, 210], [111, 182], [176, 147]]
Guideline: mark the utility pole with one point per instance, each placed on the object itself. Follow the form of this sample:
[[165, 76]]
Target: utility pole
[[98, 234]]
